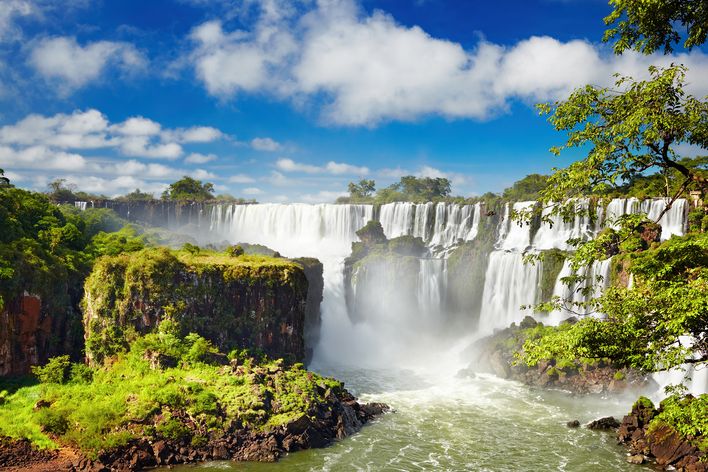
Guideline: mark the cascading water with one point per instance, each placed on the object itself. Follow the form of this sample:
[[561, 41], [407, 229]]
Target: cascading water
[[432, 282], [509, 283], [489, 424]]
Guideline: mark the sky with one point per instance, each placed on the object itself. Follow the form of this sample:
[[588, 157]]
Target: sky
[[289, 101]]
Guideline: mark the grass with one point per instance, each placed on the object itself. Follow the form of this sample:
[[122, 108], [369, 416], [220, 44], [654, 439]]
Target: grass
[[131, 399]]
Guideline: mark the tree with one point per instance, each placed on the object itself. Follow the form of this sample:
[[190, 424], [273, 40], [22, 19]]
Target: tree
[[4, 181], [649, 25], [138, 196], [60, 191], [425, 188], [363, 190], [189, 189], [629, 132], [527, 188]]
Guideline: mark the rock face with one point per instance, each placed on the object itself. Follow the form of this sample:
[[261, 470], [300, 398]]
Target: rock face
[[315, 287], [235, 302], [31, 332], [658, 440], [495, 354]]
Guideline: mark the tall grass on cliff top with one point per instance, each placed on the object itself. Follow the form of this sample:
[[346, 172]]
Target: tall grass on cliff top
[[167, 387]]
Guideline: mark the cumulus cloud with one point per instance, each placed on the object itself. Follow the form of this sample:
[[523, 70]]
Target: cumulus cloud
[[364, 69], [241, 179], [197, 158], [265, 144], [136, 136], [336, 168], [323, 196], [66, 145], [252, 191], [71, 65]]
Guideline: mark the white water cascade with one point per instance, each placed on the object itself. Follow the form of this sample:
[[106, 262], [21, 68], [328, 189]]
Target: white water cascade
[[432, 281], [326, 231]]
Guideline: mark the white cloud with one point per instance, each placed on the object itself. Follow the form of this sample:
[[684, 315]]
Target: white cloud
[[9, 11], [72, 66], [288, 165], [265, 144], [136, 136], [364, 69], [197, 158], [138, 126], [323, 196], [341, 168], [336, 168], [199, 134], [279, 180], [252, 191], [241, 179], [202, 174]]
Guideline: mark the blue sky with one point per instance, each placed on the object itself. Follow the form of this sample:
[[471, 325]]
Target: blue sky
[[290, 100]]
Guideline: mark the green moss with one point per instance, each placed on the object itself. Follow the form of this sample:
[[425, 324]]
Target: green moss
[[129, 399], [230, 300], [619, 375], [551, 265]]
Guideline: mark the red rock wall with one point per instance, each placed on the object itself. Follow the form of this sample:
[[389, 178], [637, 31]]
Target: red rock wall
[[24, 332]]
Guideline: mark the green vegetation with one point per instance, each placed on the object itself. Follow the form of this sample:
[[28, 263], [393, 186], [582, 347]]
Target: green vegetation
[[645, 324], [189, 189], [137, 196], [408, 189], [527, 188], [651, 25], [165, 387], [48, 250], [4, 181], [214, 294]]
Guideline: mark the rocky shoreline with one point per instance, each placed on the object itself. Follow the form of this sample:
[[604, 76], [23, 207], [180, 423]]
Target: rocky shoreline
[[340, 417], [496, 355], [658, 441]]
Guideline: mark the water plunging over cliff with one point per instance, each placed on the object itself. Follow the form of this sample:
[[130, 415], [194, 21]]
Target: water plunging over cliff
[[395, 317]]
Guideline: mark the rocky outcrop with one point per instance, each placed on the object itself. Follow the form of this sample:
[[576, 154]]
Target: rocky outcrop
[[31, 331], [235, 302], [496, 354], [340, 416], [648, 438]]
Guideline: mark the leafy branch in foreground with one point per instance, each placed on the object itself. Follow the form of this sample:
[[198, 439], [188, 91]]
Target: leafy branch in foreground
[[649, 25], [629, 132]]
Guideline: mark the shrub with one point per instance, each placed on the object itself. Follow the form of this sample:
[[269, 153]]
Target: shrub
[[235, 251], [55, 371]]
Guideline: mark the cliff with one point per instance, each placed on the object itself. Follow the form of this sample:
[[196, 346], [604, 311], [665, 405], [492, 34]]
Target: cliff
[[253, 302]]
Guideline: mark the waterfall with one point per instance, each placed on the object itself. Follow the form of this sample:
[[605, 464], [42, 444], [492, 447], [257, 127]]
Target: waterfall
[[393, 327], [672, 222], [509, 284], [81, 205], [432, 282], [556, 234], [596, 275], [517, 236]]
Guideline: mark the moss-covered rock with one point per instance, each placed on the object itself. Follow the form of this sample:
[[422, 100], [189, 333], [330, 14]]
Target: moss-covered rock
[[247, 301], [135, 413]]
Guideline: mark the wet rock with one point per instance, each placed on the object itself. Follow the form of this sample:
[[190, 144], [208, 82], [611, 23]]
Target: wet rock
[[667, 445], [573, 424], [528, 322], [608, 422], [636, 459]]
